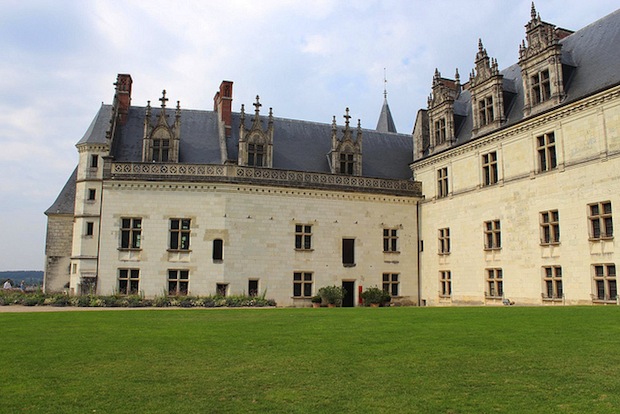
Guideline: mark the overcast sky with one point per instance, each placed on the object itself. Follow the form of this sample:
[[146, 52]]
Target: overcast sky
[[306, 59]]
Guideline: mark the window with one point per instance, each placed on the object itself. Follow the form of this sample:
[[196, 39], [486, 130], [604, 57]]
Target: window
[[605, 282], [541, 87], [178, 282], [390, 283], [445, 283], [444, 241], [442, 182], [253, 287], [161, 147], [390, 240], [128, 281], [302, 284], [601, 224], [91, 194], [550, 227], [495, 283], [94, 160], [546, 152], [346, 164], [440, 131], [552, 277], [303, 236], [221, 289], [256, 155], [131, 233], [348, 252], [485, 110], [489, 168], [90, 228], [179, 234], [492, 235], [218, 250]]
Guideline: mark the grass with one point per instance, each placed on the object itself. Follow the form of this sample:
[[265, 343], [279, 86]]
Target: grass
[[426, 360]]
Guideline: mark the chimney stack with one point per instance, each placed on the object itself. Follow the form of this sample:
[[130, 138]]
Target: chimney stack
[[122, 97], [222, 104]]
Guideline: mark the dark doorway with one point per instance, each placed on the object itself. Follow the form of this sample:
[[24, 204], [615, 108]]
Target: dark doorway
[[349, 295]]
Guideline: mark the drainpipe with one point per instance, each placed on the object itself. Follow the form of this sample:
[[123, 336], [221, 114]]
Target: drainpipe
[[418, 220]]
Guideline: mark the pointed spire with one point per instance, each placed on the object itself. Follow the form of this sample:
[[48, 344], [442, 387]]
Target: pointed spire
[[533, 12], [242, 116], [148, 109], [178, 111], [384, 84], [334, 127]]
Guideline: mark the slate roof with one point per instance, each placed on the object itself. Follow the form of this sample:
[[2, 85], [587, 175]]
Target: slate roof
[[298, 145], [65, 202], [385, 123], [591, 57]]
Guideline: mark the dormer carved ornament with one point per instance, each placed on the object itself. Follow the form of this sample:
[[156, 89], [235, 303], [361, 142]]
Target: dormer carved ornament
[[346, 153], [255, 143], [160, 141]]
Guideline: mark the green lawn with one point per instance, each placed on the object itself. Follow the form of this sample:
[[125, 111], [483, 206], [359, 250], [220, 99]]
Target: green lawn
[[426, 360]]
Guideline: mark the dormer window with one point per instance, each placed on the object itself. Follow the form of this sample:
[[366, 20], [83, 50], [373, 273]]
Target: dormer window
[[256, 143], [440, 131], [256, 155], [160, 150], [485, 110], [541, 87], [346, 164]]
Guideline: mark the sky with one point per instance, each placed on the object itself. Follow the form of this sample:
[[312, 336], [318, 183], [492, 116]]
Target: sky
[[308, 60]]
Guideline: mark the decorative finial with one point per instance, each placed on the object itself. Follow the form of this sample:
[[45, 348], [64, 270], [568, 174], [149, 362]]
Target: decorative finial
[[148, 108], [533, 11], [457, 77], [163, 98], [359, 124], [178, 111], [346, 117], [384, 83], [334, 123], [257, 105], [480, 44]]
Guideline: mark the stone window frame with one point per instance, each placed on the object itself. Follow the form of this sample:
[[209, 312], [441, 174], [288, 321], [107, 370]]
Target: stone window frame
[[131, 233], [391, 283], [553, 288], [604, 282], [440, 130], [128, 281], [303, 237], [443, 183], [492, 235], [160, 148], [302, 284], [178, 282], [486, 112], [443, 238], [91, 195], [251, 291], [390, 240], [256, 153], [549, 227], [94, 161], [217, 255], [445, 284], [494, 282], [546, 152], [348, 252], [90, 229], [347, 162], [540, 87], [179, 237], [490, 170], [600, 221]]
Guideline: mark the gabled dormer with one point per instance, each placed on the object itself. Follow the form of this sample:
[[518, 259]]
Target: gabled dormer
[[487, 95], [541, 65], [256, 144], [346, 153], [441, 111], [160, 142]]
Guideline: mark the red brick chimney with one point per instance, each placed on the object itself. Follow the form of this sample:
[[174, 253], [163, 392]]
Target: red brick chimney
[[122, 97], [222, 104]]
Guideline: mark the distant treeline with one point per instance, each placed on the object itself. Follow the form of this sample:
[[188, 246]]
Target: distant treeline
[[30, 277]]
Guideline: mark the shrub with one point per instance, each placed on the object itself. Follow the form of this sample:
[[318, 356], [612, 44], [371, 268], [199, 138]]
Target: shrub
[[332, 295], [374, 295]]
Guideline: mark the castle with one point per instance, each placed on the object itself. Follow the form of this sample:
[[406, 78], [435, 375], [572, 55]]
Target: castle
[[504, 193]]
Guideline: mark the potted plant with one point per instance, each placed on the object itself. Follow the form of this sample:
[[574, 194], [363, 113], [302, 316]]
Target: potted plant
[[373, 296], [332, 295], [316, 301]]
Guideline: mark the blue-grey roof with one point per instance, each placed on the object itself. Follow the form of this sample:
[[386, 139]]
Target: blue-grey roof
[[65, 202], [385, 122], [96, 132], [591, 57], [297, 145]]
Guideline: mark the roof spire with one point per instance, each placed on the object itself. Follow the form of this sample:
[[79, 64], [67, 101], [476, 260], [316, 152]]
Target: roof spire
[[385, 123], [384, 84]]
